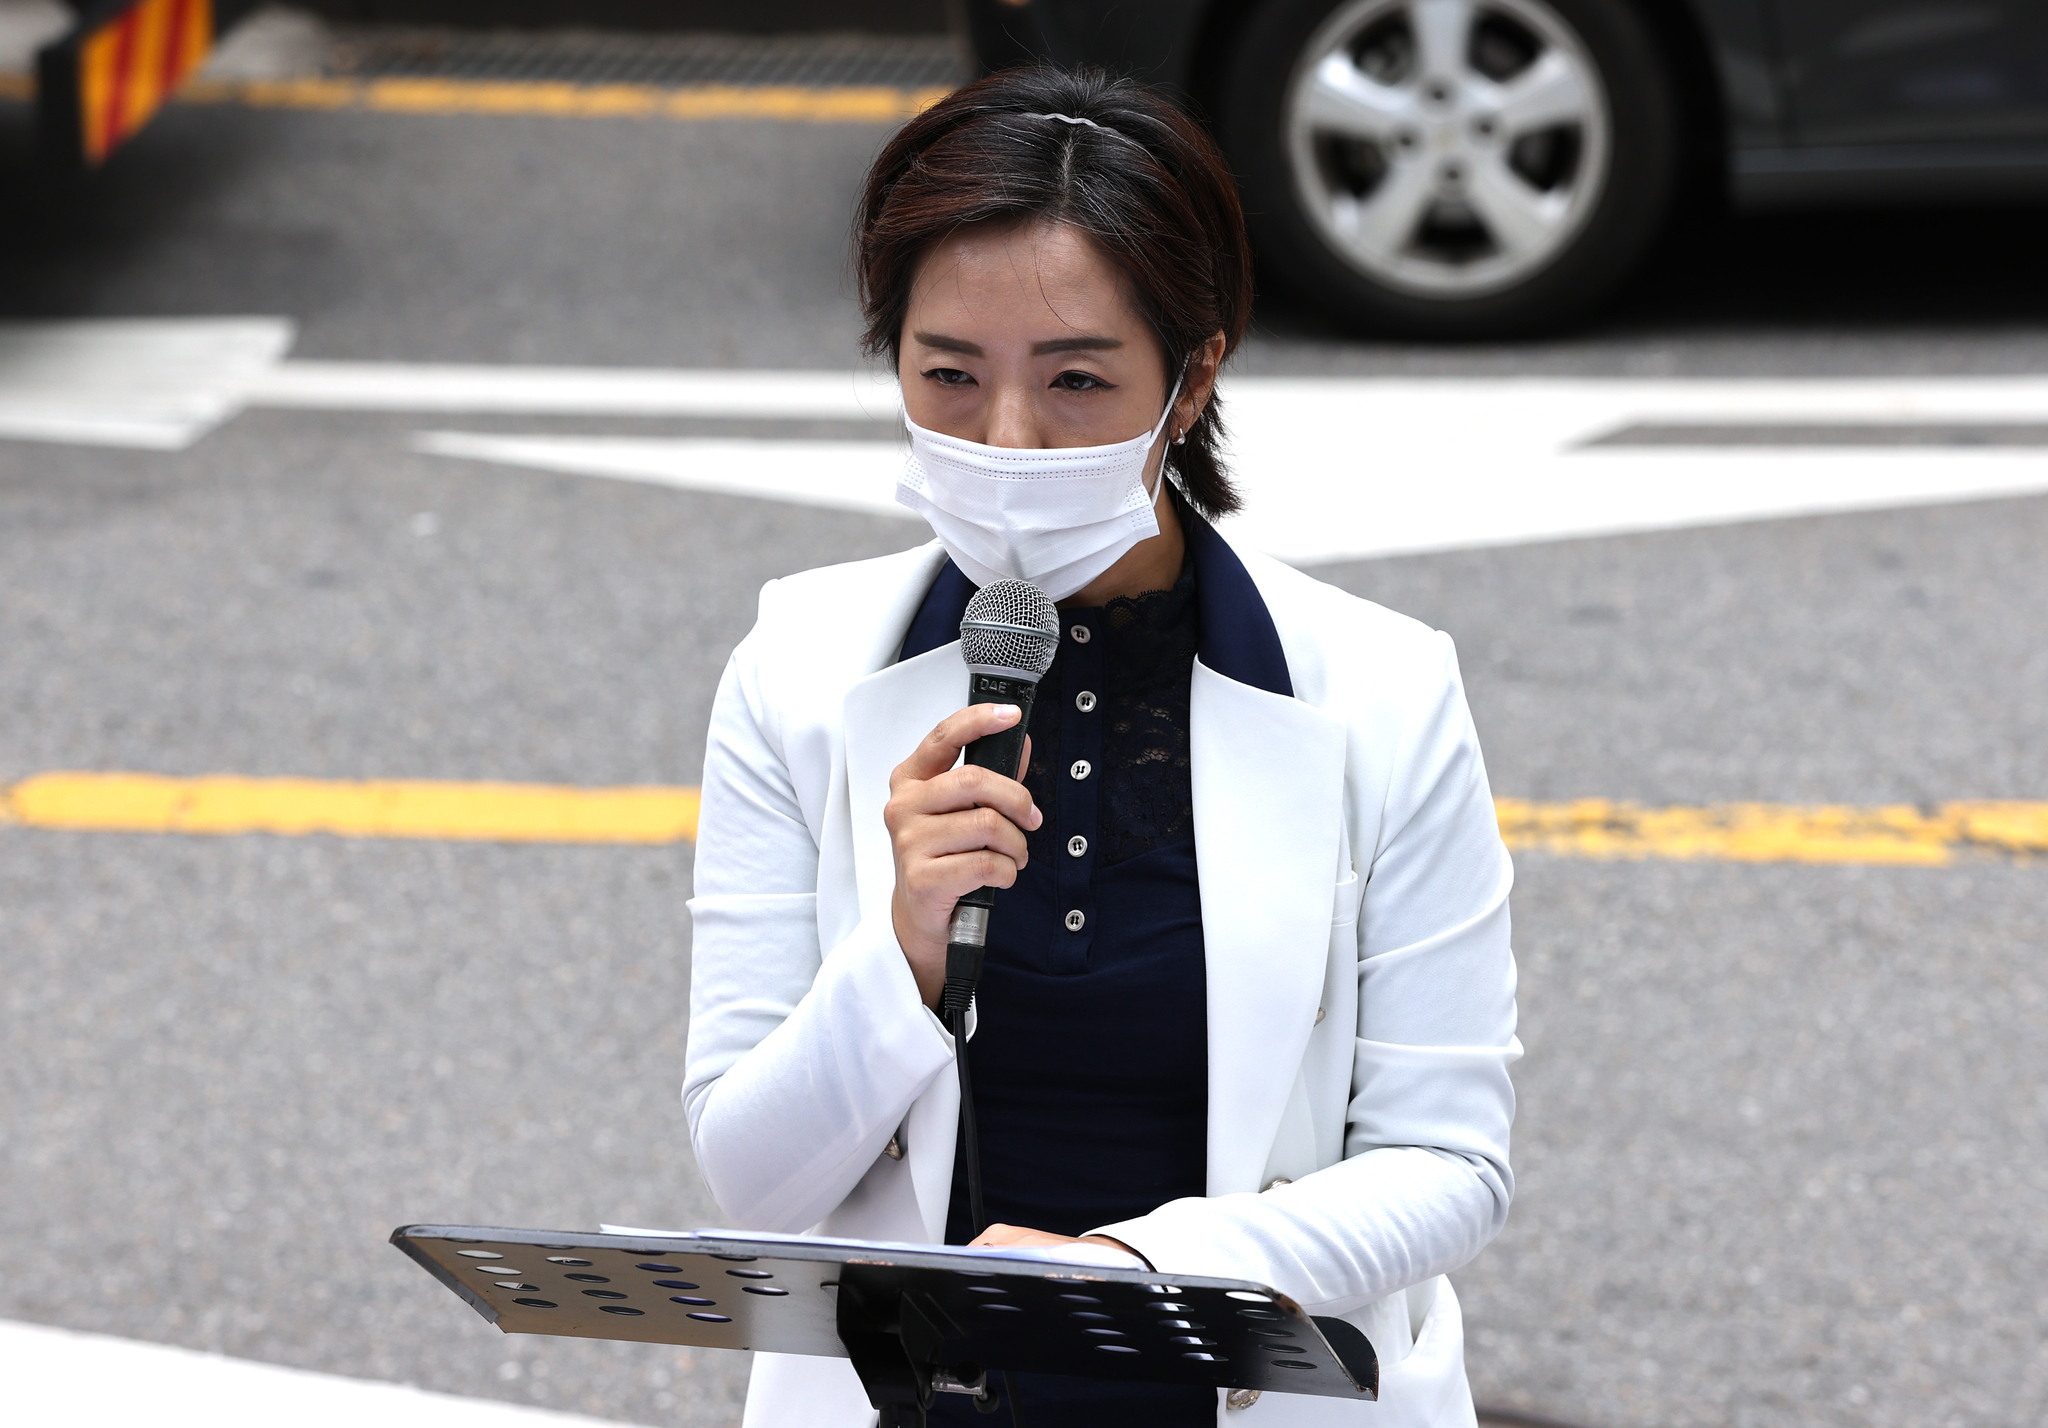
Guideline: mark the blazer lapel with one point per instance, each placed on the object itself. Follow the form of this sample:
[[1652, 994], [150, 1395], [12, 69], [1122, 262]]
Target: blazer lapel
[[886, 714], [864, 738], [1268, 783]]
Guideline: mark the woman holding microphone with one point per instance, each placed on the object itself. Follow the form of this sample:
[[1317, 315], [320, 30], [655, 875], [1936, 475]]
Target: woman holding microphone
[[1249, 1001]]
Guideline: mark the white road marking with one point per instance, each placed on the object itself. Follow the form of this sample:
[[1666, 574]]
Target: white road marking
[[840, 475], [1335, 468], [588, 391], [163, 383], [147, 383], [96, 1381], [1332, 468], [1337, 514]]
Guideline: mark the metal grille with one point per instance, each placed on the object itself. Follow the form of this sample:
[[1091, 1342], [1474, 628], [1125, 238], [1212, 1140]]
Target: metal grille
[[663, 61], [1010, 624]]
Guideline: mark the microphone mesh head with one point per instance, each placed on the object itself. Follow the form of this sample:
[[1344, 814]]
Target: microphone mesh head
[[1010, 624]]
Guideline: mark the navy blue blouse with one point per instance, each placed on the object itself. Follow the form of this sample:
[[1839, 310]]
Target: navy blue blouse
[[1090, 1053]]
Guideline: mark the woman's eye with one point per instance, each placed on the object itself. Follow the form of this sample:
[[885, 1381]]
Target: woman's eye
[[1077, 382], [949, 377]]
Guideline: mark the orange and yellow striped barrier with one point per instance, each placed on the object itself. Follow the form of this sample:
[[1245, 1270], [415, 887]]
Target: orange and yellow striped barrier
[[110, 77]]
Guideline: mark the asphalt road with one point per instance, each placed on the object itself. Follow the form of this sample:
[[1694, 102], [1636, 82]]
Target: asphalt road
[[1781, 1145]]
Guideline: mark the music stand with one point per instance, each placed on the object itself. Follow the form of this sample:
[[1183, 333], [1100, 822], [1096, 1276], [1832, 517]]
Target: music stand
[[915, 1320]]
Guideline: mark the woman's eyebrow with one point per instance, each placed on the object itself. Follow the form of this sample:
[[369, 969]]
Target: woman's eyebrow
[[1076, 344], [946, 344]]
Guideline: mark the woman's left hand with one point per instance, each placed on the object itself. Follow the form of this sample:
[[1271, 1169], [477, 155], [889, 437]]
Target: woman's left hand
[[1038, 1239]]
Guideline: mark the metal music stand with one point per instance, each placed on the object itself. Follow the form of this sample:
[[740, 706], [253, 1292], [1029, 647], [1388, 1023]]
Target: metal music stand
[[915, 1320]]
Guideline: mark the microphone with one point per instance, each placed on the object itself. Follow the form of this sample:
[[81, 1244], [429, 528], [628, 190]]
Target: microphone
[[1008, 638]]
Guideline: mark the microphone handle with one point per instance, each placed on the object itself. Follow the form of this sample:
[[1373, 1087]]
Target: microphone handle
[[1003, 752], [967, 934]]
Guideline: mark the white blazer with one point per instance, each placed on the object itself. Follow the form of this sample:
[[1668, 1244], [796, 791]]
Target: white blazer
[[1361, 1006]]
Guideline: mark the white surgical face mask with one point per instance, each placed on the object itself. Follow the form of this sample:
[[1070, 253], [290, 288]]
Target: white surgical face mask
[[1057, 517]]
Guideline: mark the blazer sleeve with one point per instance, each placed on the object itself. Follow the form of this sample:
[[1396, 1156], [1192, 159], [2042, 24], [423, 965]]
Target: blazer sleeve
[[1424, 1183], [802, 1060]]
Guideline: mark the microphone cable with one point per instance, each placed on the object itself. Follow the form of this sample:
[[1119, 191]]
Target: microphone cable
[[963, 972], [957, 997]]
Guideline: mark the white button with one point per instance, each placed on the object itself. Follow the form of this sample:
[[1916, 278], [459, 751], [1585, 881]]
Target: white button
[[1076, 920], [1085, 701], [1319, 1017], [1076, 846], [1082, 634], [1277, 1181], [1242, 1397], [894, 1149], [1082, 768]]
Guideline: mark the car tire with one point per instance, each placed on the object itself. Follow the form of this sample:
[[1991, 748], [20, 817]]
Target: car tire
[[1420, 174]]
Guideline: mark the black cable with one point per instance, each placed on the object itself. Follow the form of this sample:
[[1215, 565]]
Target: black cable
[[970, 1144], [957, 996]]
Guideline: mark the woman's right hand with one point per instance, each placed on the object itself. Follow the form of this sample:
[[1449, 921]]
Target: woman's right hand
[[953, 830]]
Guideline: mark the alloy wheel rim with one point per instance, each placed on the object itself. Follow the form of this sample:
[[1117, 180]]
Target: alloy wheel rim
[[1447, 148]]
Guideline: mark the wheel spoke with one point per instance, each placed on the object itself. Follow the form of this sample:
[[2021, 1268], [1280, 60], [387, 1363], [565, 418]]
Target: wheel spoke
[[1520, 218], [1391, 213], [1461, 198], [1341, 98], [1443, 36], [1548, 93]]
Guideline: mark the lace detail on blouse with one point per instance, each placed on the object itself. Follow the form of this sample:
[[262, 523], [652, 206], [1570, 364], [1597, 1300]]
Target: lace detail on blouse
[[1147, 798]]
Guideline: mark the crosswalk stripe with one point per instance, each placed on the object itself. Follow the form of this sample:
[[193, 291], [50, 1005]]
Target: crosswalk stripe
[[653, 814]]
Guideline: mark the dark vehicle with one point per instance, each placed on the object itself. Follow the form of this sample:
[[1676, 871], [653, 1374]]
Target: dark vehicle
[[1480, 167]]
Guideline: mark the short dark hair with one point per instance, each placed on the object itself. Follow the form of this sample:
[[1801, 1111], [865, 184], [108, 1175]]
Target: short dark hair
[[1141, 179]]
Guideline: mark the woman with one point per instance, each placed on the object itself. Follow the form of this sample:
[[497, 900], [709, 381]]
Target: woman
[[1249, 1002]]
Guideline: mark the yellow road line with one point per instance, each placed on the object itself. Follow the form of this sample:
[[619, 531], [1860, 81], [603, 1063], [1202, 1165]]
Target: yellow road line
[[546, 813], [1775, 832], [491, 812], [840, 104]]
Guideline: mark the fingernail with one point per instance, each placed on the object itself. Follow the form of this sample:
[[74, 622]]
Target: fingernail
[[1009, 712]]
